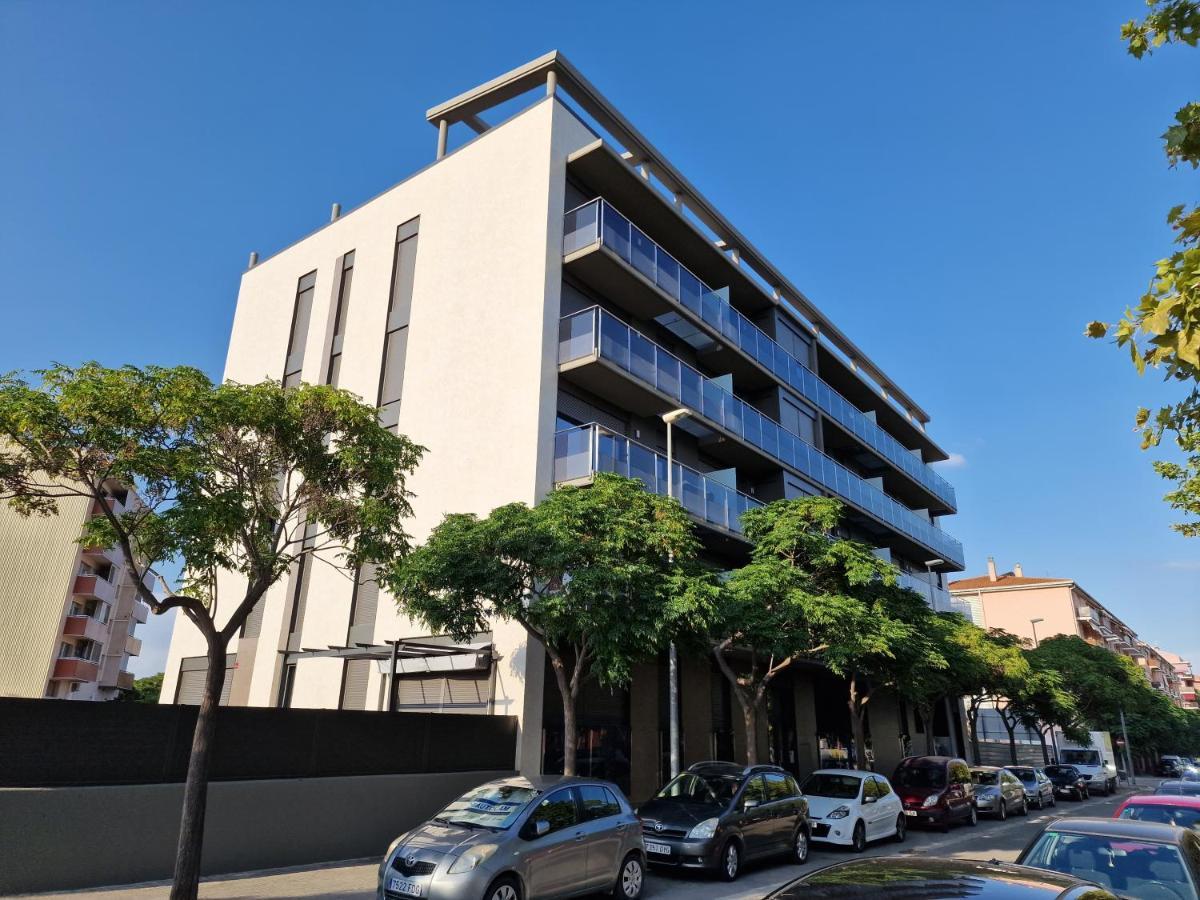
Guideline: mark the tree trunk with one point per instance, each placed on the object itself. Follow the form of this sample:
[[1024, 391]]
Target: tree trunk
[[1012, 741], [568, 702], [750, 716], [186, 885], [973, 729], [1045, 750], [857, 709], [926, 714]]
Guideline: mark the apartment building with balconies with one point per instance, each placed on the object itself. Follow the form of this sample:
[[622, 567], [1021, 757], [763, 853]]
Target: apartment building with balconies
[[527, 307], [1036, 608], [71, 610]]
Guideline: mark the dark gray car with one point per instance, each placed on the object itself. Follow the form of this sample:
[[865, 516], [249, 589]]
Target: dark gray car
[[521, 838], [1038, 786], [717, 815], [998, 792]]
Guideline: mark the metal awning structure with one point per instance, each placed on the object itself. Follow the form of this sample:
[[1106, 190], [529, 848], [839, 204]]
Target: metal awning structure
[[409, 656]]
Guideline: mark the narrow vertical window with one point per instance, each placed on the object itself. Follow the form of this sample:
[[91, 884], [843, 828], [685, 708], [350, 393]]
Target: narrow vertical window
[[301, 313], [391, 378], [339, 319]]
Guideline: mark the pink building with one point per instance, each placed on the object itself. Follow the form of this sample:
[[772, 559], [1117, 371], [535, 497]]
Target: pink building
[[1038, 608]]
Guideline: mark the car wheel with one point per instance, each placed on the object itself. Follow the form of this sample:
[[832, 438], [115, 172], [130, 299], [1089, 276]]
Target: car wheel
[[731, 861], [800, 846], [1024, 806], [858, 841], [1002, 811], [901, 829], [631, 880], [972, 816], [1053, 801], [503, 889]]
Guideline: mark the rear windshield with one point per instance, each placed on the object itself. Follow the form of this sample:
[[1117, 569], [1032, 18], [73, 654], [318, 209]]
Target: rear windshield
[[1064, 771], [920, 777], [838, 787], [985, 777], [1024, 774], [1183, 816], [489, 805], [694, 788], [1125, 866]]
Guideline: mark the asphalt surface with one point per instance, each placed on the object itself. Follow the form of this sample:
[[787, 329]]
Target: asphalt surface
[[356, 880]]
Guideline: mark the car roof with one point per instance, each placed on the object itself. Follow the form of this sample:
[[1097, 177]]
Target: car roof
[[1120, 828], [952, 877], [545, 783], [1191, 801], [928, 760], [858, 773], [986, 768], [721, 767]]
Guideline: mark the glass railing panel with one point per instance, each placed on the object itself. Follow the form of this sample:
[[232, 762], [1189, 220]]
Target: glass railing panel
[[691, 388], [576, 337], [572, 454], [667, 376], [614, 341], [641, 357], [581, 227], [641, 465], [656, 264]]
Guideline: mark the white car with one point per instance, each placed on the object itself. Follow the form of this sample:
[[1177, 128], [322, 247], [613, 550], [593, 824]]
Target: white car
[[849, 807]]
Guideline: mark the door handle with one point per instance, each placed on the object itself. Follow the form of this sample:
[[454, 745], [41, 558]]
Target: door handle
[[620, 828], [579, 838]]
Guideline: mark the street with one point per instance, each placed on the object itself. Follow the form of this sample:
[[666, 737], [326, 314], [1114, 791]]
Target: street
[[356, 880]]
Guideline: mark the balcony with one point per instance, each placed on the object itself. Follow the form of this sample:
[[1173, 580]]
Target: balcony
[[125, 681], [594, 337], [86, 627], [133, 646], [74, 669], [94, 586], [938, 598], [715, 328], [579, 453], [140, 612]]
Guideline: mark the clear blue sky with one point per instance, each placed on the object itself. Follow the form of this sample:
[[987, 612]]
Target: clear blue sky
[[960, 185]]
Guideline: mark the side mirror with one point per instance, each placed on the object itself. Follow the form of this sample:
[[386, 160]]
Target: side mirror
[[749, 803], [541, 827], [869, 799]]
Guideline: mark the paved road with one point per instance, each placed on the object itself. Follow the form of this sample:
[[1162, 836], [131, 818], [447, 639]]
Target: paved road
[[356, 880]]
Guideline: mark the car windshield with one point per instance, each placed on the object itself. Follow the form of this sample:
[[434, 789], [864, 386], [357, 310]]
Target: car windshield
[[1126, 866], [695, 788], [920, 777], [1183, 816], [1081, 757], [1024, 774], [837, 787], [985, 777], [489, 806], [1062, 772]]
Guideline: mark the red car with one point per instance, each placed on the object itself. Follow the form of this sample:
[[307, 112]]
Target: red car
[[1165, 808], [936, 790]]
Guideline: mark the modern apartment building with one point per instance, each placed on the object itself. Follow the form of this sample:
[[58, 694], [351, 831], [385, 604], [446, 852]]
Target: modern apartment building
[[70, 611], [1038, 608], [527, 307]]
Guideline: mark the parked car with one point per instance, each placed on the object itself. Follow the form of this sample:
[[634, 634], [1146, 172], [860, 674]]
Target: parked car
[[1068, 781], [717, 815], [1168, 766], [1133, 859], [849, 807], [1179, 788], [997, 791], [1164, 808], [522, 837], [930, 878], [1038, 786], [936, 790]]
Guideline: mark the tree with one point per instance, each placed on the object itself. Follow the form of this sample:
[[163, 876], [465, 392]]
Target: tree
[[1163, 330], [590, 573], [145, 690], [238, 479], [998, 665]]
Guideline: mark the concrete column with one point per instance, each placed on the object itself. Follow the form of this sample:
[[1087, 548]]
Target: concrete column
[[885, 732], [443, 133], [696, 712], [808, 753], [643, 732]]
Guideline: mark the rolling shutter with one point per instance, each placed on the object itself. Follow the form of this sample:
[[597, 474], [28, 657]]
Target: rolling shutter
[[190, 688], [583, 412], [458, 693], [366, 604], [354, 685]]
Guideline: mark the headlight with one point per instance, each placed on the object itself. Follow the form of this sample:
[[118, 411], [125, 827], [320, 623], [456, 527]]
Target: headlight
[[840, 813], [931, 800], [705, 829], [390, 850], [473, 859]]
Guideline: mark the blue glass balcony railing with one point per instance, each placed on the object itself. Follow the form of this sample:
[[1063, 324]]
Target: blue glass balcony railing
[[597, 221], [938, 598], [583, 451], [594, 333]]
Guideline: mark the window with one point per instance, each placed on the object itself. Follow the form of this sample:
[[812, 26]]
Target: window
[[391, 376], [301, 313], [339, 319], [870, 789], [792, 340], [598, 802], [755, 791], [286, 684], [777, 787], [558, 809], [959, 773], [796, 418], [883, 787]]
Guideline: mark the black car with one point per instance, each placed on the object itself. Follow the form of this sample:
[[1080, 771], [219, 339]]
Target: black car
[[1068, 781], [717, 815], [1182, 788], [1169, 766], [1130, 858], [916, 878]]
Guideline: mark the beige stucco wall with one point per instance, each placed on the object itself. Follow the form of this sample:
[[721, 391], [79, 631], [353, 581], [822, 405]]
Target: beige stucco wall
[[480, 376], [1013, 609], [38, 559]]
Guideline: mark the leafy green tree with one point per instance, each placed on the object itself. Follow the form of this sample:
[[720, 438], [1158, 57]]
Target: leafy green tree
[[590, 573], [1045, 703], [145, 690], [998, 665], [1163, 330], [240, 479]]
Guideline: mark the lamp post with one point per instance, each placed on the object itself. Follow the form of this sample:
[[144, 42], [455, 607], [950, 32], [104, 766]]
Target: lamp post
[[929, 564], [1034, 623], [672, 654]]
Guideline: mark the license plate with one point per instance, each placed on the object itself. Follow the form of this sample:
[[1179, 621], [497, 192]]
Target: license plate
[[399, 886], [660, 849], [910, 812]]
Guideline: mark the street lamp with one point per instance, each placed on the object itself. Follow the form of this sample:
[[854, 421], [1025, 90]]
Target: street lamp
[[929, 564], [1034, 624], [670, 419]]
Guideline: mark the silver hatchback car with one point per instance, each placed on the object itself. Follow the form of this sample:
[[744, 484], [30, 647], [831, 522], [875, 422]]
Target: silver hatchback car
[[521, 838]]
